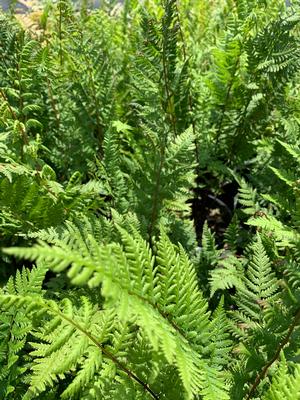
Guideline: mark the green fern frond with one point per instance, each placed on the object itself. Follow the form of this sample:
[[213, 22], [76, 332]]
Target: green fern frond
[[209, 247], [232, 234], [292, 150], [220, 342], [247, 198], [260, 290], [284, 234], [288, 177], [165, 303], [226, 275], [285, 383], [182, 301], [15, 327]]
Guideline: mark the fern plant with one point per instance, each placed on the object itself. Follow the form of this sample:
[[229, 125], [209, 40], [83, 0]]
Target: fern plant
[[149, 201]]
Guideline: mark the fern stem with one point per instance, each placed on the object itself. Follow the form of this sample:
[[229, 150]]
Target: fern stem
[[110, 356], [168, 106], [228, 92], [190, 99], [99, 127], [53, 105], [154, 211], [241, 126], [93, 91], [283, 343]]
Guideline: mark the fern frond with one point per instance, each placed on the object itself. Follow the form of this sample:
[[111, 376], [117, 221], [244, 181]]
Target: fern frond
[[166, 304], [232, 234], [292, 150], [286, 235], [221, 342], [226, 275], [247, 198], [260, 290], [285, 383], [15, 327]]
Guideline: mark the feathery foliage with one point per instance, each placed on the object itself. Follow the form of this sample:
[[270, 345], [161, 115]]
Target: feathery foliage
[[149, 201]]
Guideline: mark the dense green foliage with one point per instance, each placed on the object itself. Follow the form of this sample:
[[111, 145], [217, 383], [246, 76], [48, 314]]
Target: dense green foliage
[[150, 202]]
